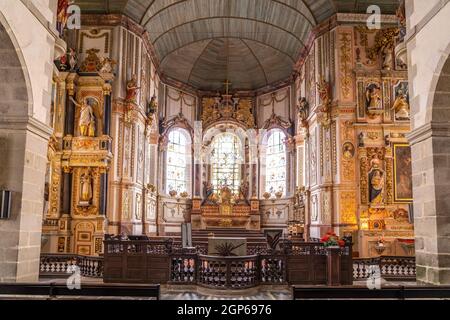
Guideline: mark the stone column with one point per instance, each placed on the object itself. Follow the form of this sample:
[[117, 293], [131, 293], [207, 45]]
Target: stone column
[[430, 147]]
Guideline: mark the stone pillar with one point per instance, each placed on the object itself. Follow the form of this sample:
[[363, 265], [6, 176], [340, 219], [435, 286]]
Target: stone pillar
[[430, 147]]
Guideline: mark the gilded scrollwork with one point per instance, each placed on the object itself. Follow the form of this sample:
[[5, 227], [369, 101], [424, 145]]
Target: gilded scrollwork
[[348, 207], [345, 65]]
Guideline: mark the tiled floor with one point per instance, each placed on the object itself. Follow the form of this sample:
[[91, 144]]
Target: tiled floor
[[261, 295]]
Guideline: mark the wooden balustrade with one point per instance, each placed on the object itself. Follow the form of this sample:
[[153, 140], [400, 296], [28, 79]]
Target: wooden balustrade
[[62, 265], [387, 267], [151, 261], [159, 261]]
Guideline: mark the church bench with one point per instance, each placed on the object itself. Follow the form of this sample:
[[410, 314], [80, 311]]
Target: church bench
[[400, 292], [54, 289]]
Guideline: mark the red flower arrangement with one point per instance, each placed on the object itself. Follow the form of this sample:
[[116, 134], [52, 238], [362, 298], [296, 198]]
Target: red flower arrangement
[[332, 240]]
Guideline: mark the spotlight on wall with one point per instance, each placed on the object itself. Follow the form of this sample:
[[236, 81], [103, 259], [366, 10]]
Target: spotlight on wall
[[5, 204]]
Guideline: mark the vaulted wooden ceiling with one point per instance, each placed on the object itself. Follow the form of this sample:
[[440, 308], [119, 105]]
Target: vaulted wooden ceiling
[[251, 43]]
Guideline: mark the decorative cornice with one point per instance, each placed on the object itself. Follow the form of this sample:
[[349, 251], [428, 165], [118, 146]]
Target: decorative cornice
[[27, 123], [429, 130]]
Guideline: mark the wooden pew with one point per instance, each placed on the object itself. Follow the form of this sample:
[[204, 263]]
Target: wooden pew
[[54, 289], [358, 293]]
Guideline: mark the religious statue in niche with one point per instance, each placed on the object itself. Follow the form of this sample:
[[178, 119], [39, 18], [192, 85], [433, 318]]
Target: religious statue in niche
[[303, 110], [132, 89], [208, 192], [226, 201], [373, 99], [152, 107], [361, 139], [86, 122], [85, 189], [401, 104], [243, 192], [376, 181], [387, 55], [384, 44], [348, 151]]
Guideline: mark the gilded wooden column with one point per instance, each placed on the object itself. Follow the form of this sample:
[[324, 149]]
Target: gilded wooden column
[[66, 191], [103, 193], [107, 109]]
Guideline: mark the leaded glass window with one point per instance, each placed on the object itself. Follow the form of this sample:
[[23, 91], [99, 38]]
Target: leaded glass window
[[276, 162], [176, 169], [226, 162]]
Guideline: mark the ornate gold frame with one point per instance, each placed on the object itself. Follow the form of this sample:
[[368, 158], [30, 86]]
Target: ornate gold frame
[[396, 199]]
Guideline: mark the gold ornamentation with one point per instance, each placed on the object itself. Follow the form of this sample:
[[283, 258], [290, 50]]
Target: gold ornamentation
[[363, 171], [215, 109], [244, 113], [323, 112], [348, 208], [92, 62], [345, 67], [55, 190], [107, 65], [384, 43]]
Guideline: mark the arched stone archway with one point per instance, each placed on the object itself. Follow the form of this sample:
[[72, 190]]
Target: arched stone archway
[[23, 150], [431, 181]]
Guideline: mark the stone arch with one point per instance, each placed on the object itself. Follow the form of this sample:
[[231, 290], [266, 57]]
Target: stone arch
[[440, 97], [430, 153], [17, 97]]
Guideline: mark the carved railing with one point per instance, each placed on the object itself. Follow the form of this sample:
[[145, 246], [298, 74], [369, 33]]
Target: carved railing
[[272, 269], [161, 261], [228, 272], [56, 264], [183, 268], [389, 268], [63, 265]]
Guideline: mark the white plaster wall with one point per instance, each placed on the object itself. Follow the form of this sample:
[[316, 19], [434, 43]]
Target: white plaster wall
[[428, 49], [37, 45]]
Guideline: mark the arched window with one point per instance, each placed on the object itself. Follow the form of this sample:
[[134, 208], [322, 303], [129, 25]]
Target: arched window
[[276, 162], [177, 161], [226, 162]]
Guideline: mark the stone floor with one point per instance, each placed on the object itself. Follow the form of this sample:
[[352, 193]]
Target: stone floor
[[197, 293]]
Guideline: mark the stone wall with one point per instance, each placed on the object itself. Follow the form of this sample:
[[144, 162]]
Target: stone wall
[[429, 75], [24, 109]]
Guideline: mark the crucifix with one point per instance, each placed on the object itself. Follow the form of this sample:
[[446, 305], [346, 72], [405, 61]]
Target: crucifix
[[227, 84]]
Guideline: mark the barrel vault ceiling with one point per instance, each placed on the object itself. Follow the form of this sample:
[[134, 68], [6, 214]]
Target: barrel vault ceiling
[[251, 43]]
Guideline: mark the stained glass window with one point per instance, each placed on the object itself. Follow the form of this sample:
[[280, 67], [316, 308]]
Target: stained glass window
[[276, 162], [176, 169], [226, 162]]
